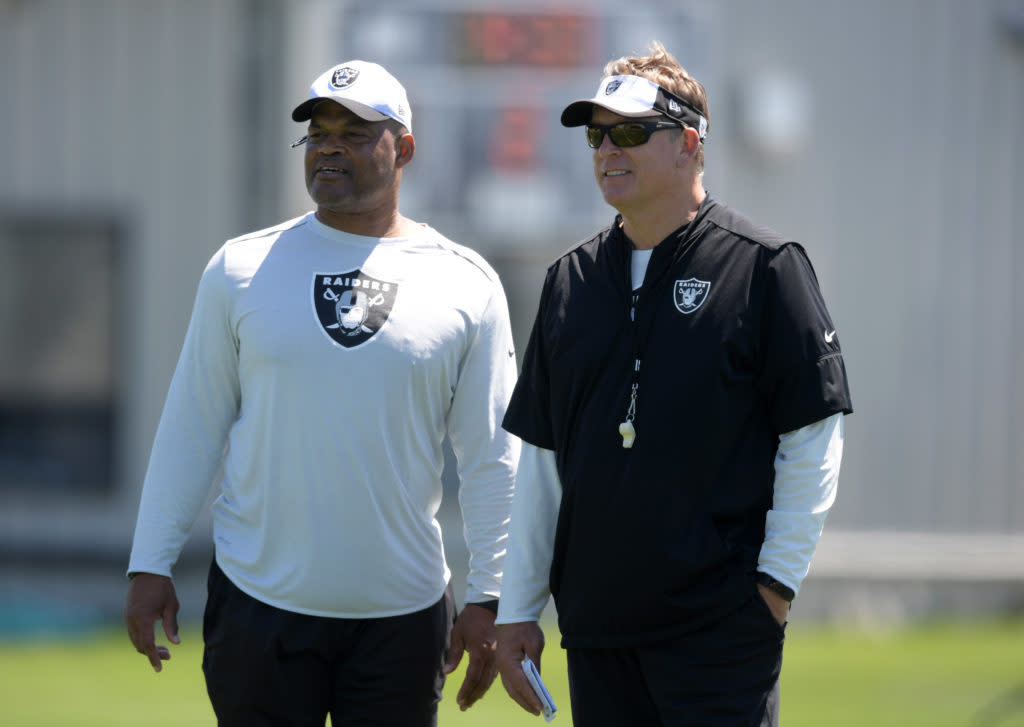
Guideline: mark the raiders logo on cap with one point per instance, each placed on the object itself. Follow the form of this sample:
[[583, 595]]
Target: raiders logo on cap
[[344, 77], [351, 306], [612, 86]]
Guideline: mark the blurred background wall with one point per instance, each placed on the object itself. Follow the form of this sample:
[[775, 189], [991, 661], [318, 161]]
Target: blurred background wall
[[885, 135]]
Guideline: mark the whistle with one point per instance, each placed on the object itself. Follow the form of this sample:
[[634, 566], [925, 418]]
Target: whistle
[[628, 432]]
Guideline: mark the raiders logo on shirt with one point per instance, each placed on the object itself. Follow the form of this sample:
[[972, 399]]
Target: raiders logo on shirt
[[690, 294], [352, 307]]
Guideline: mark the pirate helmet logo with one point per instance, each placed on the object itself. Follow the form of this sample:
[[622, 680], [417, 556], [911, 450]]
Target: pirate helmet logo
[[352, 307]]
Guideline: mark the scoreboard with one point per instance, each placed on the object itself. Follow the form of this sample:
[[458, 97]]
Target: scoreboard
[[527, 39], [487, 82]]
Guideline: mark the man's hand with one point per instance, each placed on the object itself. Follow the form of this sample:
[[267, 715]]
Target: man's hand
[[514, 642], [473, 632], [779, 606], [151, 598]]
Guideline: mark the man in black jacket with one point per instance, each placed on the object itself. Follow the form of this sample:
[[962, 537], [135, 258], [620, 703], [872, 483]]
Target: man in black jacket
[[681, 406]]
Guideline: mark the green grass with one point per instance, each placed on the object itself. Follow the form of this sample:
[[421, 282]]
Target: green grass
[[937, 675]]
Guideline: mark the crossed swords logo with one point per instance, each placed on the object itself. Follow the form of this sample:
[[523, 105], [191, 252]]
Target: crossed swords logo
[[352, 307]]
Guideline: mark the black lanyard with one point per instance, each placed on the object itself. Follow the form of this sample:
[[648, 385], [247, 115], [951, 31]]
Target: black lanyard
[[627, 428]]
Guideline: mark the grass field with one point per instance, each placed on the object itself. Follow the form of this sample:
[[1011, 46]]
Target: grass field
[[939, 675]]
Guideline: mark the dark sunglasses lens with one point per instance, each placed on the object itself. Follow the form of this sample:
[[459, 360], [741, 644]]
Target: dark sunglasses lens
[[628, 134], [623, 135]]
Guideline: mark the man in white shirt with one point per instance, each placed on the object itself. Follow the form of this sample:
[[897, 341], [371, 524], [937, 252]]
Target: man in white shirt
[[680, 405], [326, 360]]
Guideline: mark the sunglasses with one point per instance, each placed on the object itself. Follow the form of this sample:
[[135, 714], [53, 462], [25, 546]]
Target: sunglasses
[[627, 133]]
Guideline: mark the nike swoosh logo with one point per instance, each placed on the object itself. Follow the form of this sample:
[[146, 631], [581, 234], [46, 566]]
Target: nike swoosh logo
[[829, 335]]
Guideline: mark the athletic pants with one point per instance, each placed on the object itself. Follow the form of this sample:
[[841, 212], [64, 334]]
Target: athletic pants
[[265, 666], [725, 675]]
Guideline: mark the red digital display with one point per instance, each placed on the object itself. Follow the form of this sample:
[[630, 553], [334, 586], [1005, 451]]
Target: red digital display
[[528, 39]]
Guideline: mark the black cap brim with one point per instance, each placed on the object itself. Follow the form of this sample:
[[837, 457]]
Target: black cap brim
[[304, 111], [577, 113]]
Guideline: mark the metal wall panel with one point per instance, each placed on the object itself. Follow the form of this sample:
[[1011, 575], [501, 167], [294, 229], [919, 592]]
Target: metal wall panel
[[906, 191], [132, 112]]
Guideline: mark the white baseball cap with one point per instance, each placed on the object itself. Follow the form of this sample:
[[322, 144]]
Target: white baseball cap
[[635, 96], [364, 88]]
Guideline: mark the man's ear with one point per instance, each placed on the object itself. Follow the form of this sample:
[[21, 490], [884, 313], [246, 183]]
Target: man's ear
[[405, 150], [688, 149]]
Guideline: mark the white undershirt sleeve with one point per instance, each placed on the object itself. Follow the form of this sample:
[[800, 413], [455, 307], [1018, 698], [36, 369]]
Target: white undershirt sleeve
[[525, 586], [806, 478]]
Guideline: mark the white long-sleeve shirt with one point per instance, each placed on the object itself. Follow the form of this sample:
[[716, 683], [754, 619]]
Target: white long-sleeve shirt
[[806, 479], [323, 370]]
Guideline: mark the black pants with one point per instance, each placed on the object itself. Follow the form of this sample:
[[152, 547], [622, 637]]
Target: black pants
[[726, 675], [265, 666]]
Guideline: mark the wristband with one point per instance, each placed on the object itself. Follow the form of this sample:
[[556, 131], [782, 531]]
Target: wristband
[[776, 586]]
